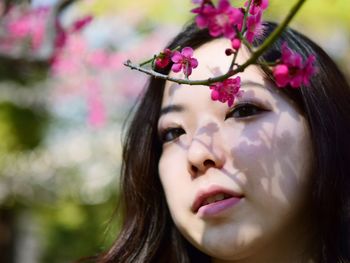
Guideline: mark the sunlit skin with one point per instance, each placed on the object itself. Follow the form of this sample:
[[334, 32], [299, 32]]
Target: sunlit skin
[[259, 148]]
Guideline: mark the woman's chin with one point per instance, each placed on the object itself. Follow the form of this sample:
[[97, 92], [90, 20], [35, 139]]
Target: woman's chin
[[230, 245]]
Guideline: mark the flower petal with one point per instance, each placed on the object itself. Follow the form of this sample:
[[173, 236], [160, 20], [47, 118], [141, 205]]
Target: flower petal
[[201, 21], [187, 71], [223, 5], [281, 75], [194, 63], [187, 52], [176, 57], [176, 67]]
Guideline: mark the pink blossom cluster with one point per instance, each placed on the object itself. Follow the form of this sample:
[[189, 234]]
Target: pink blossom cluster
[[77, 60], [183, 60], [254, 20], [227, 90], [226, 20], [23, 30], [232, 23], [24, 27], [221, 20], [61, 35], [239, 25], [292, 70]]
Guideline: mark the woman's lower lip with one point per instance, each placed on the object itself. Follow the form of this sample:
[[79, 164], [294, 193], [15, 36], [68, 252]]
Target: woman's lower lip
[[216, 208]]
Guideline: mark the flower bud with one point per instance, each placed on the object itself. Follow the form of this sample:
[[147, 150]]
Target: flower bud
[[236, 43], [229, 52]]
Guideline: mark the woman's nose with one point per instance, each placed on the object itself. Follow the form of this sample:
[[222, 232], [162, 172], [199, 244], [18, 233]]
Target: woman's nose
[[204, 153]]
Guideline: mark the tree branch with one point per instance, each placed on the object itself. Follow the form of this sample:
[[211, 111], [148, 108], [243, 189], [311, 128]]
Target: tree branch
[[252, 60]]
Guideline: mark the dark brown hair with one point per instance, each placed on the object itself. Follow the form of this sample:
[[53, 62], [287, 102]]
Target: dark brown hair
[[148, 233]]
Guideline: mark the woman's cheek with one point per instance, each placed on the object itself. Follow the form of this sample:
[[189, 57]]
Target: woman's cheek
[[273, 160], [174, 176]]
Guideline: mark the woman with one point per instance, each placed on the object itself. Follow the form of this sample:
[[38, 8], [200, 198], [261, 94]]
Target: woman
[[266, 180]]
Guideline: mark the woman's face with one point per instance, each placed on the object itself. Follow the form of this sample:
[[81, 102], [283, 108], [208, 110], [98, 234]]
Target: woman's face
[[235, 179]]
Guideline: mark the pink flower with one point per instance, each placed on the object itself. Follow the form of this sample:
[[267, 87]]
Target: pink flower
[[257, 6], [184, 61], [164, 58], [221, 20], [292, 71], [28, 25], [227, 90], [205, 13], [226, 19], [254, 26]]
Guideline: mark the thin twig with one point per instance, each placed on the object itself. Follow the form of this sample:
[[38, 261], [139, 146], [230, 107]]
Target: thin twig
[[233, 63], [246, 16]]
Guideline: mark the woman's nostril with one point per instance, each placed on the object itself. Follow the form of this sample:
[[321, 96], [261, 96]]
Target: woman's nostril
[[194, 169], [209, 163]]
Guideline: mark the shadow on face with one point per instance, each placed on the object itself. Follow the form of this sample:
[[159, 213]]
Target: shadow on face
[[260, 149]]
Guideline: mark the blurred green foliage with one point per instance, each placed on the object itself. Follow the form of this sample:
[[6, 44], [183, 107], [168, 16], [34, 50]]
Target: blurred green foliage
[[72, 230], [22, 128], [317, 12], [22, 71]]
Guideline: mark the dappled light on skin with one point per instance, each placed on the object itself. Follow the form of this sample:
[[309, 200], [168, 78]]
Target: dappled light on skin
[[265, 157]]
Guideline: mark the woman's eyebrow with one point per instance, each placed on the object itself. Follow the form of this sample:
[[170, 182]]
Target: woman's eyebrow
[[252, 83], [171, 108]]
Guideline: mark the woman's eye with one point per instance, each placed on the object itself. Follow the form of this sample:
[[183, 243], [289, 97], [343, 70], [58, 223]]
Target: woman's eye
[[171, 134], [244, 110]]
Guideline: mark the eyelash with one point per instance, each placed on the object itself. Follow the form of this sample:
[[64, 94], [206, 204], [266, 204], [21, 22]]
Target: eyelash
[[247, 108], [174, 132]]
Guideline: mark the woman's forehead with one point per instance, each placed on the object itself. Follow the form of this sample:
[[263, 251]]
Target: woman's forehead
[[212, 62], [192, 96]]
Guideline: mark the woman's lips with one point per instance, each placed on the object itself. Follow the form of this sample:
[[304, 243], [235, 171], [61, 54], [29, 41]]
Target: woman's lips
[[217, 207], [205, 204]]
